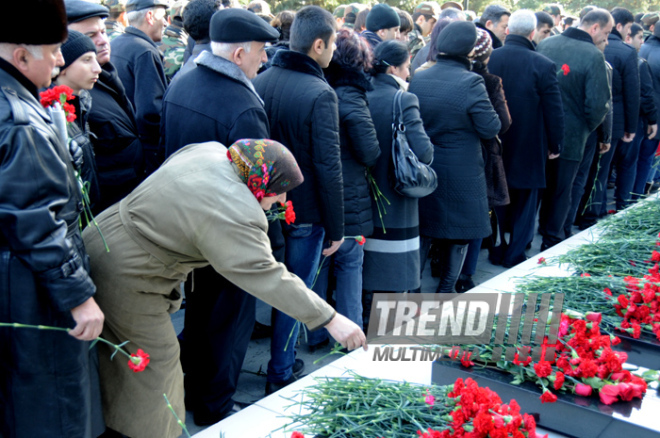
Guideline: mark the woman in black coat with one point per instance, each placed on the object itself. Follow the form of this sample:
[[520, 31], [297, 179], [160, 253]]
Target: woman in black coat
[[498, 194], [391, 255], [359, 150], [457, 211]]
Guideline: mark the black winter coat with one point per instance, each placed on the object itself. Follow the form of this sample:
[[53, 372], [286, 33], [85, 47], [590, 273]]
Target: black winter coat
[[303, 114], [79, 131], [647, 108], [139, 65], [44, 388], [534, 101], [651, 52], [391, 258], [234, 112], [625, 85], [117, 146], [359, 145], [458, 208]]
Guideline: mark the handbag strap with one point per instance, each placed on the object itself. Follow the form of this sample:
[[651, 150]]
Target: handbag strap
[[397, 113]]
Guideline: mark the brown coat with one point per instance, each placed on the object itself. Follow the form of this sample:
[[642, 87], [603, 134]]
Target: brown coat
[[193, 211]]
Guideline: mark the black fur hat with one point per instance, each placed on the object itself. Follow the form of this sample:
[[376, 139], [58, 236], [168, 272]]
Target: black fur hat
[[45, 22]]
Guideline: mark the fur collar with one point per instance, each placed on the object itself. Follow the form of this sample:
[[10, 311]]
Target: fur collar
[[577, 34], [225, 68], [290, 60], [338, 75]]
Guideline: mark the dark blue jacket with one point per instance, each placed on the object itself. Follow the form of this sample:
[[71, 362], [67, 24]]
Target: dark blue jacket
[[647, 108], [651, 52], [625, 85], [117, 146], [532, 90], [139, 65], [303, 114]]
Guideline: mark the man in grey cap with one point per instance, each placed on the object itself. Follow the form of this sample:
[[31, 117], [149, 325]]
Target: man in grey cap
[[216, 101], [139, 65]]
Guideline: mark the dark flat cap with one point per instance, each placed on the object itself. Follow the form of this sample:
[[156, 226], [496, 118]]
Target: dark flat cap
[[79, 10], [138, 5], [239, 26]]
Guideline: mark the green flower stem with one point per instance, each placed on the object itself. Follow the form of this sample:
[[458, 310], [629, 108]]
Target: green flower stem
[[178, 420]]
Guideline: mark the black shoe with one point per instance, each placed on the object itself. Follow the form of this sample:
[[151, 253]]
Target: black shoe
[[272, 387], [299, 366], [464, 283], [496, 254], [315, 347], [261, 331], [205, 418]]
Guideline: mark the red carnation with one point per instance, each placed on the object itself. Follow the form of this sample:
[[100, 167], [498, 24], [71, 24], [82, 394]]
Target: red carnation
[[541, 261], [548, 397], [543, 368], [559, 380], [289, 214], [609, 394], [297, 435], [566, 69], [582, 389], [655, 256], [138, 361], [360, 240], [585, 274]]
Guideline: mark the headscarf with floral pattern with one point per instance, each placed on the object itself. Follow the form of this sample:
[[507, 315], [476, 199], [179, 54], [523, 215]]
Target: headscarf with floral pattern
[[266, 166]]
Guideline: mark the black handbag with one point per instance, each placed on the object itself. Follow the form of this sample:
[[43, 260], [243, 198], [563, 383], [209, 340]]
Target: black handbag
[[411, 178]]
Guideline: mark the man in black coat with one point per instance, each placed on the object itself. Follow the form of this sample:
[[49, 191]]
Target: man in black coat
[[139, 65], [45, 385], [117, 146], [216, 101], [585, 92], [495, 20], [303, 113], [530, 83], [625, 98]]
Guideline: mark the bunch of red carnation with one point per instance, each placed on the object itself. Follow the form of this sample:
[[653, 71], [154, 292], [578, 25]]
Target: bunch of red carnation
[[584, 362], [59, 94], [479, 413], [640, 305]]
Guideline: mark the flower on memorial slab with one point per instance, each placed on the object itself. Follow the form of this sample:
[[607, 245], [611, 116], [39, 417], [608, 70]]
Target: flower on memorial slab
[[585, 274], [548, 397], [609, 394], [611, 211], [297, 435], [541, 261], [559, 380], [138, 361], [583, 390], [543, 368], [655, 256], [429, 399]]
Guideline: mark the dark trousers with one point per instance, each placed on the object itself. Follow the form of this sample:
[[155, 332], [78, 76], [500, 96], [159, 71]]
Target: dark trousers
[[560, 175], [583, 184], [625, 163], [518, 219], [219, 320], [600, 169]]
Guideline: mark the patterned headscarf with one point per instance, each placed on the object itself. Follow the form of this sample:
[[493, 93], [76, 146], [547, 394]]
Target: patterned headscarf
[[266, 166]]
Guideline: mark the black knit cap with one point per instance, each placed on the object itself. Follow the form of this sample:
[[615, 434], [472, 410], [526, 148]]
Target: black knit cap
[[382, 16], [79, 10], [457, 39], [75, 46], [240, 26], [47, 22]]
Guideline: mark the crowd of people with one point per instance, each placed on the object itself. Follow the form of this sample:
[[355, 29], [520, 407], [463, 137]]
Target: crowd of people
[[191, 124]]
